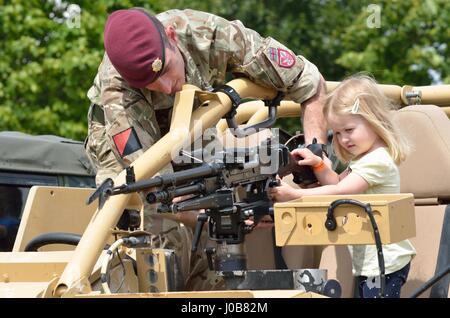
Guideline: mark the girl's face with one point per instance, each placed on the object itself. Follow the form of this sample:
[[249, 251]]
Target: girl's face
[[354, 134]]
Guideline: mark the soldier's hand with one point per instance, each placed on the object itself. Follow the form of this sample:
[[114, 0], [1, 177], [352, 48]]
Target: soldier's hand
[[266, 222], [284, 193], [188, 218]]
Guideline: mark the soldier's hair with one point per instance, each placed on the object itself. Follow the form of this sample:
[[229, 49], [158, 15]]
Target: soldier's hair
[[162, 31], [375, 107], [159, 26]]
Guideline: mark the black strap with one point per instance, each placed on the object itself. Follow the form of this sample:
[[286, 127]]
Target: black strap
[[276, 101], [233, 95]]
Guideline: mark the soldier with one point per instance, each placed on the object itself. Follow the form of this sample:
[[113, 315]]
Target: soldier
[[148, 58]]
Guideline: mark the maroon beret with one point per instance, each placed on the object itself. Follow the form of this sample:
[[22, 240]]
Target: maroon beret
[[135, 47]]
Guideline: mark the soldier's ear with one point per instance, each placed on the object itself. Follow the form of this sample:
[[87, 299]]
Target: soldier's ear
[[171, 34]]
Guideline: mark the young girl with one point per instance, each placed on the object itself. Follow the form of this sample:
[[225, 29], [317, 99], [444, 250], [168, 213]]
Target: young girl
[[365, 138]]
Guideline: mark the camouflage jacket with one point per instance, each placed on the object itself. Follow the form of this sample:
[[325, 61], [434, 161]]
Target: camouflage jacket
[[211, 47]]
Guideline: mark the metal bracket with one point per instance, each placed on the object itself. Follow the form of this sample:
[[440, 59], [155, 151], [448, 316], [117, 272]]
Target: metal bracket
[[414, 97], [236, 101]]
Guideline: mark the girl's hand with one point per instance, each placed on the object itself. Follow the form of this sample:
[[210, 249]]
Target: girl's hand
[[305, 157], [284, 192]]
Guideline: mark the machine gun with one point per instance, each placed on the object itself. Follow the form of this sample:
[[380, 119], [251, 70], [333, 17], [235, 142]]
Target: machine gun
[[231, 189]]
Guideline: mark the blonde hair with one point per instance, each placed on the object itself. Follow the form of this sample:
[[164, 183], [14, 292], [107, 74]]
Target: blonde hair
[[374, 107]]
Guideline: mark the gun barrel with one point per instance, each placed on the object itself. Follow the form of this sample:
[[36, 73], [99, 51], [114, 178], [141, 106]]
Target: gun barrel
[[176, 178], [169, 194]]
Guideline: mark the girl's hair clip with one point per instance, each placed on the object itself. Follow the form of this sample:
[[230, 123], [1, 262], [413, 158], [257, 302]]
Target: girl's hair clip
[[355, 107]]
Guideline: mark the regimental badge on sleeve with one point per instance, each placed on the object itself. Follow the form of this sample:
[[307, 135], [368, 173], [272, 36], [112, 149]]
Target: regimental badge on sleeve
[[281, 57], [285, 58], [127, 142]]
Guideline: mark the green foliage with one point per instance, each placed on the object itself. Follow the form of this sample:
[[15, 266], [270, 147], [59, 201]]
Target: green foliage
[[411, 42], [48, 62]]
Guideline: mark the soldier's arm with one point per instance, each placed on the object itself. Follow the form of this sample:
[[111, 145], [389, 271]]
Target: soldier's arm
[[313, 120], [188, 218], [270, 63]]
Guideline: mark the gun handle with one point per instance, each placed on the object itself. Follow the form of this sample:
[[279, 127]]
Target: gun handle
[[306, 175], [201, 219]]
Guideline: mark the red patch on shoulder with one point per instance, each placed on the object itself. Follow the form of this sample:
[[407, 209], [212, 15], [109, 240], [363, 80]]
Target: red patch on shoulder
[[127, 142], [285, 59]]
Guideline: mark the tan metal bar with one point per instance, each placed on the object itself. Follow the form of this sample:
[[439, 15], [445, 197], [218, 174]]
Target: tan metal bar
[[243, 113], [182, 115], [154, 159], [391, 91], [438, 95]]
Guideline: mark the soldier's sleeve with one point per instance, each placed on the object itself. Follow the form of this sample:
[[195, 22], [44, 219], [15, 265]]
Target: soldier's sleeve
[[271, 63], [130, 122]]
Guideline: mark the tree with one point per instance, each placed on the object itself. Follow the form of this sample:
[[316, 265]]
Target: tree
[[410, 46], [49, 54]]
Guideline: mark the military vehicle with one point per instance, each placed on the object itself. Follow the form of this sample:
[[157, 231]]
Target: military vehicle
[[27, 161], [113, 256]]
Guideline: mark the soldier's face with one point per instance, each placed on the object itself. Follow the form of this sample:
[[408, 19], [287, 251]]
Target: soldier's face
[[173, 78]]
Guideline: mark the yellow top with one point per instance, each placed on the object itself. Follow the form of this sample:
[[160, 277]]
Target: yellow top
[[382, 175]]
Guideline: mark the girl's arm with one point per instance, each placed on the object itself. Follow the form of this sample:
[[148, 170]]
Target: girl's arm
[[352, 184], [344, 173]]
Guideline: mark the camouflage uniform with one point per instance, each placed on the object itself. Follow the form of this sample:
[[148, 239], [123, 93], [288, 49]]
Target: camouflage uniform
[[211, 46]]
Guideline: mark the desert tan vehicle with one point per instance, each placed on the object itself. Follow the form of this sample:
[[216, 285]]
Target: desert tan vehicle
[[117, 261]]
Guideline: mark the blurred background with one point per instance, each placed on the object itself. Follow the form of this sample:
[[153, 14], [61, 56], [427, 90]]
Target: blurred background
[[50, 49]]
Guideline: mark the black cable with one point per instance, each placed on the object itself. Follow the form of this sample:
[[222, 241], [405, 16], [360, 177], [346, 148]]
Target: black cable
[[53, 238], [331, 224], [430, 282]]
